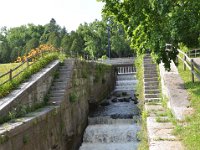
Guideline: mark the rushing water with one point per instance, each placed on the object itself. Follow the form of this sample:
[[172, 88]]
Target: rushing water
[[113, 125]]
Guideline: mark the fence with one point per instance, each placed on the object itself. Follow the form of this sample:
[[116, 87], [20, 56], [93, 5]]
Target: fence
[[190, 64], [194, 53], [14, 72]]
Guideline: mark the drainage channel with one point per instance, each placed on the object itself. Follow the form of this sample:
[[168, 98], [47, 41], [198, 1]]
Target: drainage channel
[[113, 125]]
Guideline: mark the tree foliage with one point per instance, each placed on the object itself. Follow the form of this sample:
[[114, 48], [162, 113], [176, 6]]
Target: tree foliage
[[152, 23], [89, 39]]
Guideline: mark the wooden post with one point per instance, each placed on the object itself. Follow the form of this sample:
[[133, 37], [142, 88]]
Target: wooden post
[[195, 53], [184, 65], [192, 70], [27, 62], [10, 75]]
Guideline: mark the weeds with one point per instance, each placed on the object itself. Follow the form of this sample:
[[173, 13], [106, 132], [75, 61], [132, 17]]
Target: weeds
[[142, 135]]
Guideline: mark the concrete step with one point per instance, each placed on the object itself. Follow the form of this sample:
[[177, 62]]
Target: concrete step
[[65, 68], [152, 100], [58, 87], [150, 68], [146, 65], [154, 79], [151, 88], [60, 82], [150, 75], [156, 91], [58, 91], [150, 83], [151, 95], [64, 76], [64, 72], [56, 94], [150, 71], [147, 61], [109, 146]]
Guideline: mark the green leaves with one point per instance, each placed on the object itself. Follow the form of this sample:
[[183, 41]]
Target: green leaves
[[152, 23]]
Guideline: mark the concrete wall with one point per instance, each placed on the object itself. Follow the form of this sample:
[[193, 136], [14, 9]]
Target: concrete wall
[[173, 88], [29, 93], [61, 126]]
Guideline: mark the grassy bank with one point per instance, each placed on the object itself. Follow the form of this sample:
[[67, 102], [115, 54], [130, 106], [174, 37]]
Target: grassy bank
[[190, 134], [13, 84], [140, 90]]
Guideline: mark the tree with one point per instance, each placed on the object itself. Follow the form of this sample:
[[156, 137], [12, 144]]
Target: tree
[[151, 24], [5, 51]]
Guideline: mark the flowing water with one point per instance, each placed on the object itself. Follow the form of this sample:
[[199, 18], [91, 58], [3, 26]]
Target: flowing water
[[113, 125]]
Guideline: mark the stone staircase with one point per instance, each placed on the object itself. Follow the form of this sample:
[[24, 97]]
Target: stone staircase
[[58, 88], [159, 128], [151, 81]]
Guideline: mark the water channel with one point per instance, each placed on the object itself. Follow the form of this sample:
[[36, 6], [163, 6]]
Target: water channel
[[113, 125]]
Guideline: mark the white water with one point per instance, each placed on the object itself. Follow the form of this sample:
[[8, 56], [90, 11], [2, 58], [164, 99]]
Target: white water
[[105, 133]]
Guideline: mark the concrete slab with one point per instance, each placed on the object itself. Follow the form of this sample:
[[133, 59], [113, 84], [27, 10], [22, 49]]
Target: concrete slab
[[166, 145], [173, 89]]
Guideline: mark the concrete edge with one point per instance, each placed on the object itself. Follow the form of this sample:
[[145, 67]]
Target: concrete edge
[[173, 88]]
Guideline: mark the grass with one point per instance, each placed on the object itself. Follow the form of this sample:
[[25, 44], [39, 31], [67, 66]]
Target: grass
[[190, 134], [142, 135], [4, 68], [14, 83]]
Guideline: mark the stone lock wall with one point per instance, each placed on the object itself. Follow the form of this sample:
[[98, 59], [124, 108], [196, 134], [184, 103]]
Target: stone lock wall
[[60, 126]]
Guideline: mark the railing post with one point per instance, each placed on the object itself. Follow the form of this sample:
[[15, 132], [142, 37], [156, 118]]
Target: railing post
[[192, 70], [184, 65], [10, 75], [27, 62], [195, 53]]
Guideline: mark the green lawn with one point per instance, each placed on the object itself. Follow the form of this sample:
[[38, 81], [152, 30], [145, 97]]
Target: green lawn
[[190, 134], [6, 67], [14, 83]]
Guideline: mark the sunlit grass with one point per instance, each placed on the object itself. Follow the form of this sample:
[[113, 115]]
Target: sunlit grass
[[14, 83], [190, 134], [4, 68]]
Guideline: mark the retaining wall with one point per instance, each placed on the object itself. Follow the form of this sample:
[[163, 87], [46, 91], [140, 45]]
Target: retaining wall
[[60, 125]]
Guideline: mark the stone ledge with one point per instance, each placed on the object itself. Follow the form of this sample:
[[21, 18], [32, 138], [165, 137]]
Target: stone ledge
[[165, 145], [173, 89]]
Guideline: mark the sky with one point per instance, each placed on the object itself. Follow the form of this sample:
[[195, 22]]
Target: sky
[[68, 13]]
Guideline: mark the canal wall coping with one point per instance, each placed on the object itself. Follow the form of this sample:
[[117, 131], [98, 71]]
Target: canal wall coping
[[173, 88]]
